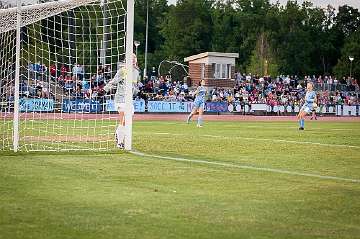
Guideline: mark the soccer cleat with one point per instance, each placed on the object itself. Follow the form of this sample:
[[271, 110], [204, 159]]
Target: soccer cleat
[[312, 118], [199, 126], [119, 145], [301, 128]]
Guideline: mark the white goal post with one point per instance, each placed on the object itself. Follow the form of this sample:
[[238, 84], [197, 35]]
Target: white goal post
[[55, 59]]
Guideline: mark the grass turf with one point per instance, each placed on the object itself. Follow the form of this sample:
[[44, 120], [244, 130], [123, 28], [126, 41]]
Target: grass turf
[[120, 195]]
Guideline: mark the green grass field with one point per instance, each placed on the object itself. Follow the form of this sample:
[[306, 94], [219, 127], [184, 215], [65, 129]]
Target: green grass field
[[241, 180]]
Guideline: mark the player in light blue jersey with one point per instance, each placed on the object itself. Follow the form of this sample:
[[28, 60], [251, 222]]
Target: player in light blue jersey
[[199, 104], [309, 105]]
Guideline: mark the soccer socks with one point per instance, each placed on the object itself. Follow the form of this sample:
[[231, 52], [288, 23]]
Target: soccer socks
[[120, 136], [302, 123], [200, 121]]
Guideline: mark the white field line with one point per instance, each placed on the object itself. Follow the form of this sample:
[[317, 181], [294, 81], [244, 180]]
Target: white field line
[[342, 129], [290, 127], [271, 140], [230, 165], [284, 141]]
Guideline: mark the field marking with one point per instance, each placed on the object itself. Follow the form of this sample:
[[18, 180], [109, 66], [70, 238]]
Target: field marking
[[267, 139], [230, 165], [284, 141], [344, 129]]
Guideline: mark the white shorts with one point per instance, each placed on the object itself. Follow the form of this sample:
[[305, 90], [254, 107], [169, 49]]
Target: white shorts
[[120, 107], [306, 109]]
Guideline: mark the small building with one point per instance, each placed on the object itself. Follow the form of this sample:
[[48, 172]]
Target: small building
[[216, 68]]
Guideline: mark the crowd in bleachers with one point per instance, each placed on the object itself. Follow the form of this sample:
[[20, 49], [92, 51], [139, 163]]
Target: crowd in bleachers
[[79, 85], [249, 89], [69, 82], [76, 83], [288, 90]]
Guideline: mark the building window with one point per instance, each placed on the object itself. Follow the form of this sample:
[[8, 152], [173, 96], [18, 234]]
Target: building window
[[218, 71], [229, 71], [224, 71], [213, 70], [221, 71]]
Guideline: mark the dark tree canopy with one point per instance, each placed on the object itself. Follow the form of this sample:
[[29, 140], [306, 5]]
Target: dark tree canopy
[[298, 39]]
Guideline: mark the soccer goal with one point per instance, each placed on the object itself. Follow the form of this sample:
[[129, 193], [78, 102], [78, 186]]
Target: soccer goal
[[55, 59]]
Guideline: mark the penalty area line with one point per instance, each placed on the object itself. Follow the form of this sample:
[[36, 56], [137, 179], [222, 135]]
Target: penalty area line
[[230, 165]]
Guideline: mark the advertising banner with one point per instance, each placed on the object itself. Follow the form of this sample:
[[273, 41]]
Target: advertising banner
[[139, 106], [36, 105], [81, 106], [216, 107], [169, 107]]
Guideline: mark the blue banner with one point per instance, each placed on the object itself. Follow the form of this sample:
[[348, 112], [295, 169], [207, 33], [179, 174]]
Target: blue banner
[[36, 105], [216, 107], [81, 106], [169, 107], [139, 106]]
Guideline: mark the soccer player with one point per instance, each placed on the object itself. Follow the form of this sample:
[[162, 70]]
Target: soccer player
[[313, 115], [309, 105], [199, 104], [118, 82]]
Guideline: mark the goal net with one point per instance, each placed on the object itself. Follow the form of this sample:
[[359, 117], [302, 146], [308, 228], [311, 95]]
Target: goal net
[[68, 51]]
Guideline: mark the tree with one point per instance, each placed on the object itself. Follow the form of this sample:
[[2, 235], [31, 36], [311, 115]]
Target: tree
[[187, 29], [157, 12], [351, 48], [262, 60], [293, 44], [347, 20], [225, 24]]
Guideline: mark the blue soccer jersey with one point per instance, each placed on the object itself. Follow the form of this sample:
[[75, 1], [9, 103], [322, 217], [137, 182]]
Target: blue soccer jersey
[[200, 97], [201, 93], [309, 100], [310, 97]]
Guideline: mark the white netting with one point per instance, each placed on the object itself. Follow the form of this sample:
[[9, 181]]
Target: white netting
[[69, 50], [34, 13]]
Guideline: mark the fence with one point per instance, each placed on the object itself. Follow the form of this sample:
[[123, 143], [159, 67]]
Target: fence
[[140, 106], [335, 87]]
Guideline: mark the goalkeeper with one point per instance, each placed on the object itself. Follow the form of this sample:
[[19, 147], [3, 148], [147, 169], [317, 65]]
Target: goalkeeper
[[118, 83], [309, 105]]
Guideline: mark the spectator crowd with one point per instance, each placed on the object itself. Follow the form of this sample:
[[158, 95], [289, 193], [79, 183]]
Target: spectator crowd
[[75, 83], [249, 89]]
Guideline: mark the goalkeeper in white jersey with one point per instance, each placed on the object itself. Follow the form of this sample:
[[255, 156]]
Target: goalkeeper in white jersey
[[118, 83]]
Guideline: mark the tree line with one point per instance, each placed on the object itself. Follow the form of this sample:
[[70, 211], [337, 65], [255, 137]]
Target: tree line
[[292, 39]]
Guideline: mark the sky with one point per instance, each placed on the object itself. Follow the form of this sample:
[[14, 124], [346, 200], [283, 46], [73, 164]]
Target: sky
[[320, 3]]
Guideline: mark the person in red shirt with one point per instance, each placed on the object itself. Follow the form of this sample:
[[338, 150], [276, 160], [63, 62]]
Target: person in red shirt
[[63, 70], [53, 70]]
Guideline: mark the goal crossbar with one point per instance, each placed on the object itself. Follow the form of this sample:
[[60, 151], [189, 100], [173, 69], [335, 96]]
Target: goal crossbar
[[33, 13]]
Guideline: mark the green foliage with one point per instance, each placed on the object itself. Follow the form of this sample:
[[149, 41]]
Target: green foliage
[[351, 48], [157, 12], [187, 29], [301, 39], [347, 20], [263, 61], [304, 39]]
